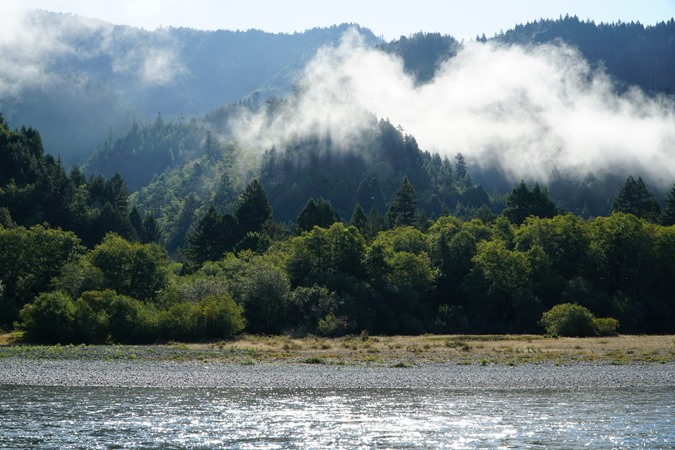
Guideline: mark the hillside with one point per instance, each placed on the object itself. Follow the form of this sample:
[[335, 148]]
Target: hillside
[[88, 79]]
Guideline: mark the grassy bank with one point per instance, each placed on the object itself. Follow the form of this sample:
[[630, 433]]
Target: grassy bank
[[401, 351]]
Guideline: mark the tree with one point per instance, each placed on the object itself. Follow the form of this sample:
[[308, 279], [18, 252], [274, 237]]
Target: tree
[[634, 198], [498, 283], [523, 202], [318, 213], [130, 268], [253, 208], [668, 213], [152, 232], [29, 260], [212, 237], [403, 207], [338, 249], [359, 218]]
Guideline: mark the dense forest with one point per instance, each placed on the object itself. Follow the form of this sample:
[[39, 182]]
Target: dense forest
[[176, 230], [80, 264]]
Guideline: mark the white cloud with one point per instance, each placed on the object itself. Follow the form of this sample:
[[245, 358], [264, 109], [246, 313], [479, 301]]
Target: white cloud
[[32, 42], [529, 111]]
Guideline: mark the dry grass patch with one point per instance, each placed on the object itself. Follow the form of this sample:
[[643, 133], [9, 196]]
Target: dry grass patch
[[389, 350]]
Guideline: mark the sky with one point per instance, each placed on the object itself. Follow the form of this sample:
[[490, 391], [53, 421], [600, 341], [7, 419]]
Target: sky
[[387, 18]]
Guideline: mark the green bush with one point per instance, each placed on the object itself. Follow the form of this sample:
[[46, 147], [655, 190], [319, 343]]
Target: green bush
[[50, 318], [606, 326], [568, 319], [215, 316]]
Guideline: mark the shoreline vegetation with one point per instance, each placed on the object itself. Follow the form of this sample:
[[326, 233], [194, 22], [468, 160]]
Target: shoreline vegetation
[[365, 350]]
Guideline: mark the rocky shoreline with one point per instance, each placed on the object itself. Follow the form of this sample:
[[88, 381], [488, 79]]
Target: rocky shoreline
[[193, 374]]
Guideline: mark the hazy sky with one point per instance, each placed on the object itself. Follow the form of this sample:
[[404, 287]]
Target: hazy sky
[[389, 18]]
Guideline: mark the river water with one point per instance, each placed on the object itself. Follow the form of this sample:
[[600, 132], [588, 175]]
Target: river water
[[105, 417]]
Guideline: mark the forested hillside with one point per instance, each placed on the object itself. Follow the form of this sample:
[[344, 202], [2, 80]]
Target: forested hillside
[[308, 213], [89, 78], [79, 264]]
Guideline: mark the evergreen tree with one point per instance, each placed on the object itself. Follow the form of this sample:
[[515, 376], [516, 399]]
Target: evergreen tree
[[634, 198], [205, 242], [317, 213], [404, 205], [5, 216], [668, 213], [253, 209], [523, 202], [359, 218], [136, 223], [152, 232], [182, 227]]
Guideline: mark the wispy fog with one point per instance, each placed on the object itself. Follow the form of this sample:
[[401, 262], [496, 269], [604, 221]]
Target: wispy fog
[[32, 44], [529, 111]]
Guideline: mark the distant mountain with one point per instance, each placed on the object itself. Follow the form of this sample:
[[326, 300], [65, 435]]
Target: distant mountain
[[78, 80], [633, 54]]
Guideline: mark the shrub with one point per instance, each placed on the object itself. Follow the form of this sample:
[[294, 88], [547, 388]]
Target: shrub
[[103, 316], [216, 316], [568, 319], [50, 318], [222, 317], [606, 326]]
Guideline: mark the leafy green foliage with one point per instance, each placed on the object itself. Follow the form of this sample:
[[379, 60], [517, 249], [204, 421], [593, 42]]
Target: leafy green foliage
[[50, 318], [130, 268], [338, 249], [29, 259], [568, 319]]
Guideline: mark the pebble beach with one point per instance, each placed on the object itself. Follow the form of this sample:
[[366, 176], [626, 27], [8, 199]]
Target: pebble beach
[[15, 371]]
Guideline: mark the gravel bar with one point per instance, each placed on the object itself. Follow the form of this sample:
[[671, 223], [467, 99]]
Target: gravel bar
[[14, 371]]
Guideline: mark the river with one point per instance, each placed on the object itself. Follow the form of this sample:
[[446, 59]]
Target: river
[[57, 417]]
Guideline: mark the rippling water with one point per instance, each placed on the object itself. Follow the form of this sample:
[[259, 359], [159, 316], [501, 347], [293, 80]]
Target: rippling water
[[78, 417]]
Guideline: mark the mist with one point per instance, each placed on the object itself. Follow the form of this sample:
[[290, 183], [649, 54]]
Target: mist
[[33, 44], [528, 111]]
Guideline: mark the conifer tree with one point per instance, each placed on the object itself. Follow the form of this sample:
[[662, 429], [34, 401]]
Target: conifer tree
[[523, 202], [634, 198], [205, 242], [317, 213], [253, 208], [404, 205], [668, 213], [359, 218]]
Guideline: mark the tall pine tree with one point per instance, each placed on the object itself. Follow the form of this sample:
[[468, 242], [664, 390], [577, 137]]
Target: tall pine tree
[[634, 198], [668, 213], [404, 205], [253, 208]]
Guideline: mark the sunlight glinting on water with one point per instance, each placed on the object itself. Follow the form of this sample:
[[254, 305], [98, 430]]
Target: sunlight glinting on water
[[388, 418]]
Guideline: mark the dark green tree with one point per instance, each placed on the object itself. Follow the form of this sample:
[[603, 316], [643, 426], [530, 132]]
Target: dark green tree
[[403, 207], [136, 223], [668, 213], [318, 213], [208, 240], [152, 232], [634, 198], [523, 202], [359, 218], [253, 208]]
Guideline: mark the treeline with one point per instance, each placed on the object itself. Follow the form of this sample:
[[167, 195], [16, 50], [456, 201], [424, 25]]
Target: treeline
[[490, 275], [79, 264]]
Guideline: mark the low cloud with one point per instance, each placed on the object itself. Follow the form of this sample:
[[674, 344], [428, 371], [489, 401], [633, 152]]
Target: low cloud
[[531, 111], [33, 43]]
